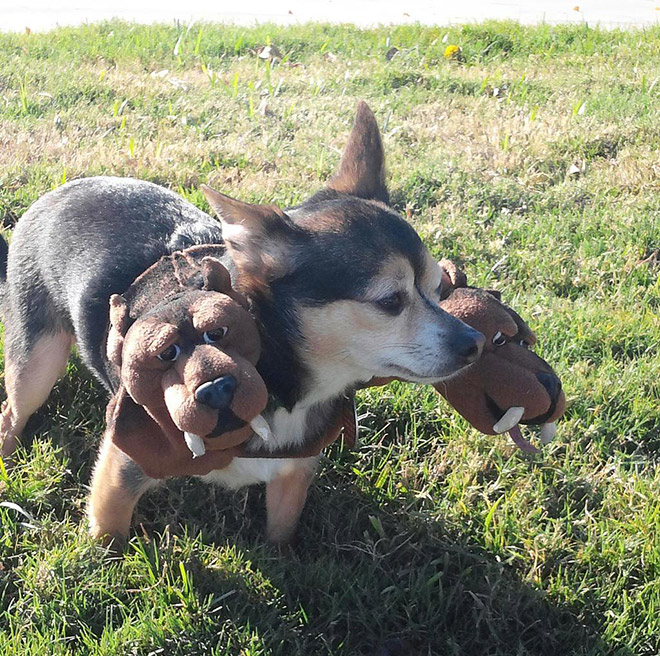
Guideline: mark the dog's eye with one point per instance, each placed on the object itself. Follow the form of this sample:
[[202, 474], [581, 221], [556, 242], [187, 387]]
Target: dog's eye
[[214, 336], [170, 354], [499, 339], [392, 304], [524, 344]]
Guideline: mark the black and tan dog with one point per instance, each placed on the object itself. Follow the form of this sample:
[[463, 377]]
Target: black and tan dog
[[341, 286]]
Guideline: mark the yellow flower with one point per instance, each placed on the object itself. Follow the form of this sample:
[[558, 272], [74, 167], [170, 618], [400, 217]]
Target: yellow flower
[[453, 52]]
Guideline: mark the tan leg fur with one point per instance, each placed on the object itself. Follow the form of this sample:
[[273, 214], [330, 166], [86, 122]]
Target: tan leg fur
[[117, 485], [28, 385], [285, 499]]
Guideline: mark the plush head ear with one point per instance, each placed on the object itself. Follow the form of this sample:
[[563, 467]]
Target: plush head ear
[[119, 322], [452, 278], [217, 279], [362, 168], [258, 237]]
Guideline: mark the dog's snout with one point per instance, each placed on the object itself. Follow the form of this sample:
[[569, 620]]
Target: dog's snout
[[551, 383], [468, 345], [217, 393]]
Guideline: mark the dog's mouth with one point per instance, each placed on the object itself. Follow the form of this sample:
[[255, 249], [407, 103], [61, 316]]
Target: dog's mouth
[[509, 422], [425, 379], [227, 423]]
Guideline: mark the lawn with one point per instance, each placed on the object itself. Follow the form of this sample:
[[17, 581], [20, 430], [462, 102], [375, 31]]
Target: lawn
[[534, 159]]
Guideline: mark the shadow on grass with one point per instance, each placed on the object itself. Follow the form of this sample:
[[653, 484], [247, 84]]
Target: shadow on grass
[[367, 579], [367, 575]]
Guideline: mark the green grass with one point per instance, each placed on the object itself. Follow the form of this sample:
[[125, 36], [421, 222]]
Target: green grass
[[431, 538]]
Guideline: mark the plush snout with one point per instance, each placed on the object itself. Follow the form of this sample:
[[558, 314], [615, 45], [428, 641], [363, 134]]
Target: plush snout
[[483, 393], [192, 362], [214, 394], [218, 393]]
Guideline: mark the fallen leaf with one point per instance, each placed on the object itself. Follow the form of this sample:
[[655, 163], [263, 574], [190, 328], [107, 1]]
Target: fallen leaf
[[264, 109], [539, 178], [653, 258], [269, 52], [389, 55]]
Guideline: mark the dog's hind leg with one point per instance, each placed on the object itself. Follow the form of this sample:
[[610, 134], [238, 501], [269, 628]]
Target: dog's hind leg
[[29, 377], [117, 485], [285, 498]]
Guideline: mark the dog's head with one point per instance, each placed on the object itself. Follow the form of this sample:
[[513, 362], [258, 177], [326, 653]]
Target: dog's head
[[347, 278], [509, 384], [189, 363]]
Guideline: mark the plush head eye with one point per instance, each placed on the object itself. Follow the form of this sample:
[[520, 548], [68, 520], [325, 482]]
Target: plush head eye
[[392, 304], [170, 354], [524, 344], [214, 336], [499, 339]]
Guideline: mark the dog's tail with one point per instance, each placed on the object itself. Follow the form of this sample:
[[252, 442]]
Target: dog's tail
[[4, 251]]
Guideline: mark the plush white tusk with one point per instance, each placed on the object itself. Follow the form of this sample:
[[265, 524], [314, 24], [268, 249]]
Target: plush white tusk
[[510, 418], [548, 432], [260, 426], [195, 443]]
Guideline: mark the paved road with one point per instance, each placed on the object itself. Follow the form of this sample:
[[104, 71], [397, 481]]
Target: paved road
[[38, 15]]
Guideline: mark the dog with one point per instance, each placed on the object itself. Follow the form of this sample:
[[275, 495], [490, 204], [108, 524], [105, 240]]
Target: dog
[[342, 289]]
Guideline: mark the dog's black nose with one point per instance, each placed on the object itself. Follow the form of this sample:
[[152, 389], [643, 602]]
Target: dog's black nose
[[551, 383], [467, 345], [217, 393]]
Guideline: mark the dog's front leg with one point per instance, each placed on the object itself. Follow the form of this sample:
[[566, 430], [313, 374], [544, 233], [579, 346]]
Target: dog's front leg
[[285, 499], [117, 485]]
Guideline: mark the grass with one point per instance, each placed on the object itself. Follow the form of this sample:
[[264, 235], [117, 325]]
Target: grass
[[431, 538]]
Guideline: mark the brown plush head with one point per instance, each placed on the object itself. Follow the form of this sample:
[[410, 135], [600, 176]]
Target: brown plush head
[[509, 384], [187, 367]]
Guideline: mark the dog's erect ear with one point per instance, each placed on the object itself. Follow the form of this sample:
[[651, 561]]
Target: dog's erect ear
[[258, 238], [119, 322], [362, 168], [217, 279]]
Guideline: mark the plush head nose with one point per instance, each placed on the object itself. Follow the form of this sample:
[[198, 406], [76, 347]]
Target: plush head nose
[[467, 345], [551, 383], [218, 393]]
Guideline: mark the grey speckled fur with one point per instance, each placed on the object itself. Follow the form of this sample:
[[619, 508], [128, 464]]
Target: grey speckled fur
[[81, 243]]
